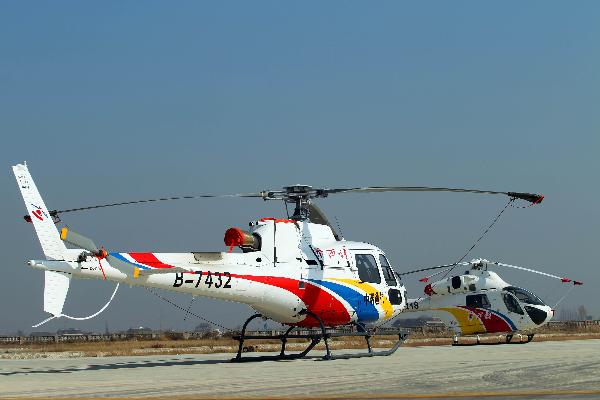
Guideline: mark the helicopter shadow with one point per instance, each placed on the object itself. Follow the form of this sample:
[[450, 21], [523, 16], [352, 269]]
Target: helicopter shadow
[[133, 365], [116, 366]]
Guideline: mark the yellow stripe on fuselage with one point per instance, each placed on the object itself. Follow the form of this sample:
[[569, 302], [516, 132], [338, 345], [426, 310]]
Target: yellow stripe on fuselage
[[385, 302], [469, 322]]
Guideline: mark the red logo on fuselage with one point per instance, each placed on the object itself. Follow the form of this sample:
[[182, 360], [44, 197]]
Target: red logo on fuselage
[[38, 214]]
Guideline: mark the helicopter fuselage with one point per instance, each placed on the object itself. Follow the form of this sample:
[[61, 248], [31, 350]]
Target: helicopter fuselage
[[480, 302], [295, 266]]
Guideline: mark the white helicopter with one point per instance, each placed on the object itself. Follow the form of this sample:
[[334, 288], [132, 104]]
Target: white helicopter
[[480, 302], [297, 271]]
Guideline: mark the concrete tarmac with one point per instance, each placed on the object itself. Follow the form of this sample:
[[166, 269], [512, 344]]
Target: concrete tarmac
[[567, 369]]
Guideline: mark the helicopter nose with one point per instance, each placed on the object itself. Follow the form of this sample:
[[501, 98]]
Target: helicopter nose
[[550, 313], [539, 314]]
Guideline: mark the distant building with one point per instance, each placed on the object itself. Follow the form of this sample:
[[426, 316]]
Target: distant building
[[70, 332], [38, 334], [139, 331], [203, 327], [207, 329]]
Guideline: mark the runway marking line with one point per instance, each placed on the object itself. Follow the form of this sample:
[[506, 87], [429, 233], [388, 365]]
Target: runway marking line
[[360, 396]]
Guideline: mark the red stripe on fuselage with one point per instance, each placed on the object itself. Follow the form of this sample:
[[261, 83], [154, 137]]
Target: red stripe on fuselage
[[491, 321], [149, 259], [331, 311]]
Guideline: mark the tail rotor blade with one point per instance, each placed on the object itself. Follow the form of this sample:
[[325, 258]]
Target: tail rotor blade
[[114, 259], [123, 266], [78, 240]]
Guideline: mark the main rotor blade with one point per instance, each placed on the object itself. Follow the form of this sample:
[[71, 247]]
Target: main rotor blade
[[317, 216], [432, 268], [562, 279], [294, 193], [198, 196], [531, 197]]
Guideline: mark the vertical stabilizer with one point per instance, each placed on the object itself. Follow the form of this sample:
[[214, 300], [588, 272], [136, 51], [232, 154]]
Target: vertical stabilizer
[[56, 286], [53, 247]]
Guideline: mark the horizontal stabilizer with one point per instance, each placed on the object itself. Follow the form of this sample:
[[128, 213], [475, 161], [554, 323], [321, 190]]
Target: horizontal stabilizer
[[156, 271]]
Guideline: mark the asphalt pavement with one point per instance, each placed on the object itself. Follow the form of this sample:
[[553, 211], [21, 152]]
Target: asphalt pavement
[[566, 369]]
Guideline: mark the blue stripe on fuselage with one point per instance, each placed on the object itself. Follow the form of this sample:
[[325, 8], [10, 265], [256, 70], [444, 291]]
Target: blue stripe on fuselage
[[365, 311], [120, 257]]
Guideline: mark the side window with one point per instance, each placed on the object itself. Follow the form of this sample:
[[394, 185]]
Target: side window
[[456, 282], [388, 272], [478, 301], [395, 297], [511, 303], [485, 302], [367, 268]]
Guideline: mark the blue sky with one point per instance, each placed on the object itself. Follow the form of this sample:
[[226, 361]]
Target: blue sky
[[113, 101]]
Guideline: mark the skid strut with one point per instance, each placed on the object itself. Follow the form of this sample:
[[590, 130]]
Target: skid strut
[[507, 340], [315, 338]]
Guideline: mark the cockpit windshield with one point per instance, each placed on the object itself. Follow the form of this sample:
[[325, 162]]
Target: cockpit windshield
[[524, 296]]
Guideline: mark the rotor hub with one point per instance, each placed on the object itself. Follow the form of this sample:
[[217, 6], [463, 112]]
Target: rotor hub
[[299, 195]]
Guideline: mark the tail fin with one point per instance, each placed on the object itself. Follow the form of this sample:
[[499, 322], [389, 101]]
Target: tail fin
[[56, 283], [56, 287], [53, 247]]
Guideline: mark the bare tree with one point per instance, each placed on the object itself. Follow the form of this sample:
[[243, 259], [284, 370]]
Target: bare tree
[[567, 314], [582, 313]]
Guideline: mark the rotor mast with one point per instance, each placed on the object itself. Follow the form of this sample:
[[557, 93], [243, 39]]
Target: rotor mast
[[298, 195]]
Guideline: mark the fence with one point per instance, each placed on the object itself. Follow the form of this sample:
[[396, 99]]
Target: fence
[[552, 326], [78, 338], [579, 326]]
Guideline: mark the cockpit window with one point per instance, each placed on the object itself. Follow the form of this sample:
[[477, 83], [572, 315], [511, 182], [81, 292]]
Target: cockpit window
[[511, 303], [398, 277], [478, 301], [388, 272], [524, 296], [367, 268]]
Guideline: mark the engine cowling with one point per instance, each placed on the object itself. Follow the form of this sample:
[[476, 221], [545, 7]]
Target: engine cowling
[[453, 285], [239, 237]]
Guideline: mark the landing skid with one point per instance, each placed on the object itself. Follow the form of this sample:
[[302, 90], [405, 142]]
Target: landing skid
[[315, 338], [508, 339]]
